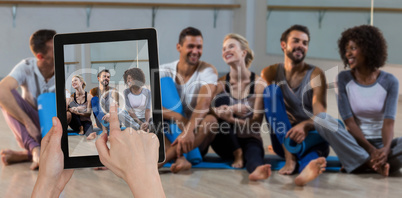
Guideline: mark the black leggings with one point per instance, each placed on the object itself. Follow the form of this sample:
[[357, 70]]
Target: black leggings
[[76, 123], [253, 152]]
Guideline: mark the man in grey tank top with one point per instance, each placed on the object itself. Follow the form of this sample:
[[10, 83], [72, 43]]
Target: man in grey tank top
[[299, 94]]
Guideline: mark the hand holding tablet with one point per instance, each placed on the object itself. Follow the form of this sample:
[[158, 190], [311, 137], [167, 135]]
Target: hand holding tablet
[[131, 157], [99, 68]]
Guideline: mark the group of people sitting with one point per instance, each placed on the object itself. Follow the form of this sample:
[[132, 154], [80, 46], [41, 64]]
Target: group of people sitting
[[136, 111], [227, 113]]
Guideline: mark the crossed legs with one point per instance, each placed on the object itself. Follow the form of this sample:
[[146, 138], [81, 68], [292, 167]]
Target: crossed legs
[[203, 137]]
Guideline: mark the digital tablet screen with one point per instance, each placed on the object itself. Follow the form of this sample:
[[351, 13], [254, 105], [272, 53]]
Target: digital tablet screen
[[96, 69]]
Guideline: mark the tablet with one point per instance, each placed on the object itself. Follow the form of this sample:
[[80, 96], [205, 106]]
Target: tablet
[[92, 70]]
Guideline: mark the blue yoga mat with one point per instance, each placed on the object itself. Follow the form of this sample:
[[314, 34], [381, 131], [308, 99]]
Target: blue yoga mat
[[275, 114], [171, 101], [312, 139], [213, 161], [98, 111], [46, 111]]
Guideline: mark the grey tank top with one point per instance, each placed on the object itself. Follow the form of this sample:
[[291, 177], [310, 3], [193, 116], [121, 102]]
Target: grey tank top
[[298, 101]]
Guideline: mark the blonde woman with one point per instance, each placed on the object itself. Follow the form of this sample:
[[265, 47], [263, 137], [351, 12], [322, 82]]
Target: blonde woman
[[79, 109], [239, 105]]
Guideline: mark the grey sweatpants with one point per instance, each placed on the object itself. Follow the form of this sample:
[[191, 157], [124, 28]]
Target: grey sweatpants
[[350, 153]]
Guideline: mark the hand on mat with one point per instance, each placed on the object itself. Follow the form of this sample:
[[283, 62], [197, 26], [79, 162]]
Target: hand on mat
[[52, 178], [133, 156], [185, 142], [33, 130], [106, 117], [297, 133]]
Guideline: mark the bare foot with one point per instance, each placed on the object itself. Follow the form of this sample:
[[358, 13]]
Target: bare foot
[[181, 164], [91, 136], [384, 170], [35, 158], [260, 173], [289, 167], [271, 150], [81, 130], [9, 156], [311, 171], [238, 158]]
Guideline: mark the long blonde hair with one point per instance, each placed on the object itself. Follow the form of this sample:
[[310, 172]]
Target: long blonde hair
[[244, 46], [82, 80]]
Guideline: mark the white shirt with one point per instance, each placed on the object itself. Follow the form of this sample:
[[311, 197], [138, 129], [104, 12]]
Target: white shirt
[[31, 80], [188, 92]]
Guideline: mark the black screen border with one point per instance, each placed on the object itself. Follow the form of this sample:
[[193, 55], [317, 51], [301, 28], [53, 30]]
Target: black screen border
[[60, 40]]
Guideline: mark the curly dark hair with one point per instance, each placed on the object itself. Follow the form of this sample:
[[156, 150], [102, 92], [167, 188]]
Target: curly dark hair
[[371, 43], [137, 74]]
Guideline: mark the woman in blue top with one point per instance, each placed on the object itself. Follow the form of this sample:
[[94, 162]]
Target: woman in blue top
[[367, 101]]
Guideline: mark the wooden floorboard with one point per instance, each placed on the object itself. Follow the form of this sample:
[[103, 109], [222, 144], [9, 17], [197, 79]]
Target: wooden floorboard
[[18, 181]]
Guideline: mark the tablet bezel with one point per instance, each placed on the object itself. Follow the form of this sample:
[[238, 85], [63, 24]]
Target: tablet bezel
[[60, 40]]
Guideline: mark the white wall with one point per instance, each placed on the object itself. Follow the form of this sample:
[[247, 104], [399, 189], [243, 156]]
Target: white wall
[[324, 38], [331, 66], [14, 41]]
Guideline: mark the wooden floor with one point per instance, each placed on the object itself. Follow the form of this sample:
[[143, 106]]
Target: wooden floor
[[18, 181]]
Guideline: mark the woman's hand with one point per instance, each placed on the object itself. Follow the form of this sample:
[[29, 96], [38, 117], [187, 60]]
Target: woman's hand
[[133, 156], [52, 177]]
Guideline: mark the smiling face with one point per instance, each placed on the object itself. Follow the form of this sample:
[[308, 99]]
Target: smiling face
[[76, 83], [232, 52], [191, 49], [296, 46], [104, 78], [354, 55], [130, 81]]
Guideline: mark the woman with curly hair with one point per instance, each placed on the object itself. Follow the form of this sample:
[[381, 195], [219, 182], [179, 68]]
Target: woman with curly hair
[[367, 102], [137, 98]]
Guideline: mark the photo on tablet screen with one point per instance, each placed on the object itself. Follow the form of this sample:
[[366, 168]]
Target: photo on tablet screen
[[108, 72], [107, 69]]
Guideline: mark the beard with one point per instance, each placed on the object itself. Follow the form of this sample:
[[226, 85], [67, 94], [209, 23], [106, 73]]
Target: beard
[[295, 60], [105, 83]]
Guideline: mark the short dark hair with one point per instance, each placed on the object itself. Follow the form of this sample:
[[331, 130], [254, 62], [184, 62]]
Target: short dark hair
[[189, 31], [137, 74], [371, 43], [105, 70], [38, 40], [301, 28]]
